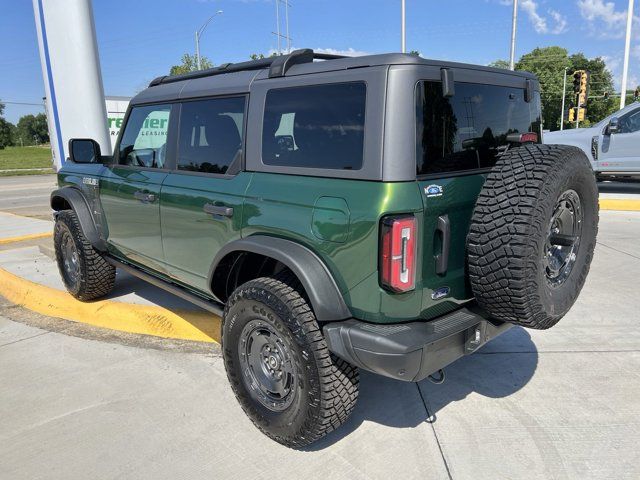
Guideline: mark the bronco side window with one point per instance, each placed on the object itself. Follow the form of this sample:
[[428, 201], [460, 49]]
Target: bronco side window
[[317, 126], [144, 140], [468, 131], [210, 138]]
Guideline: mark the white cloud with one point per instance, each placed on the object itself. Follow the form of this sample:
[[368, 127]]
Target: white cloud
[[541, 22], [560, 22], [603, 18], [349, 52], [531, 9]]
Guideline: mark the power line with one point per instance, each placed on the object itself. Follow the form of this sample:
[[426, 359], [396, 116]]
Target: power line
[[22, 103]]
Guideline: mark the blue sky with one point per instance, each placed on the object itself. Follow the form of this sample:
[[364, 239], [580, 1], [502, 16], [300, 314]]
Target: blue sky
[[139, 40]]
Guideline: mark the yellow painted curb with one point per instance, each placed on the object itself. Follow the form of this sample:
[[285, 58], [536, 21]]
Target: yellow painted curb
[[125, 317], [22, 238], [620, 204]]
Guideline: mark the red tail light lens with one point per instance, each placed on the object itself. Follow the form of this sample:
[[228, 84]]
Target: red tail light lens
[[398, 253]]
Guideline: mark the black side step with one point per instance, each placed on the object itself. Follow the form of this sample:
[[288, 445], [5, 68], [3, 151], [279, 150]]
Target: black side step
[[177, 290]]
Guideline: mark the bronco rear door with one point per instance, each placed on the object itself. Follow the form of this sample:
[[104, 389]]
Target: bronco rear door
[[460, 134]]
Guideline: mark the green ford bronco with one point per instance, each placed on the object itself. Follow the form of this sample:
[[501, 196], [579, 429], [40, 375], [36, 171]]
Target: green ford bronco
[[386, 213]]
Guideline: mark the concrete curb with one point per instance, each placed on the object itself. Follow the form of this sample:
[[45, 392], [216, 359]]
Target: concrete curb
[[619, 204], [22, 238], [124, 317]]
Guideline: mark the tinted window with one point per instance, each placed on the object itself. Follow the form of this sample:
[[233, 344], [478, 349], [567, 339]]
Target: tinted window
[[469, 130], [631, 122], [210, 137], [320, 126], [144, 140]]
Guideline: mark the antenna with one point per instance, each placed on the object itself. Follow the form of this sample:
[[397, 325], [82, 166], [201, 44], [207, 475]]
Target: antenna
[[277, 33]]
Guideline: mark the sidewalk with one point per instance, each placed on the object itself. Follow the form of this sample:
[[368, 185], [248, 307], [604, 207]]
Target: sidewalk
[[29, 277]]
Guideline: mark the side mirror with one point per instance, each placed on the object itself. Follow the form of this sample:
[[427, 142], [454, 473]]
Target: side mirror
[[84, 150], [614, 126]]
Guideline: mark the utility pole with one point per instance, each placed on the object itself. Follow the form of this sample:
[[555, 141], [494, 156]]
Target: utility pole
[[286, 21], [564, 96], [403, 27], [199, 33], [278, 33], [627, 47], [514, 24], [278, 25]]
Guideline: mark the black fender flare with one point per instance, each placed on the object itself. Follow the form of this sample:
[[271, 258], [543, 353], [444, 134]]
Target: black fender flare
[[324, 295], [79, 205]]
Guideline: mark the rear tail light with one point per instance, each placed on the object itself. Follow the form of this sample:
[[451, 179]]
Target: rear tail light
[[398, 253]]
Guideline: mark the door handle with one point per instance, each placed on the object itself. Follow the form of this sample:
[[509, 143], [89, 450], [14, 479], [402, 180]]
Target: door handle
[[144, 197], [444, 230], [220, 210]]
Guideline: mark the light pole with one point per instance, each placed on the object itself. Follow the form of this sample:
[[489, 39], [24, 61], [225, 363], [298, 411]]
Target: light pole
[[403, 28], [627, 46], [199, 34], [564, 96], [514, 23]]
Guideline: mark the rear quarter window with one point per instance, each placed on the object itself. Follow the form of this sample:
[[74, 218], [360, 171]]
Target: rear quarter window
[[468, 131], [317, 126]]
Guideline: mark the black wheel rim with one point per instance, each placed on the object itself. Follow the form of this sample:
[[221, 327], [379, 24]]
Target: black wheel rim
[[563, 238], [267, 366], [70, 258]]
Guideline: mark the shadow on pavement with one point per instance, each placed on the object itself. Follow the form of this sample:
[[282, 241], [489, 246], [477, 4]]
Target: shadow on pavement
[[498, 370], [619, 187], [128, 284]]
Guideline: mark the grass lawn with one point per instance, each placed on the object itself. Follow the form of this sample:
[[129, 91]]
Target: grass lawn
[[23, 158]]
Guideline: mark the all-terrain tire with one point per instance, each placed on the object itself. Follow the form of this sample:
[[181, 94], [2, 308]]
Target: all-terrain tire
[[326, 388], [514, 219], [94, 277]]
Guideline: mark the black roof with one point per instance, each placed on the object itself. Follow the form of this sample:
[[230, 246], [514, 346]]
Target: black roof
[[230, 77]]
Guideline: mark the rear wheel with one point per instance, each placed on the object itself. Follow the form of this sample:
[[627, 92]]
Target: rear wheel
[[279, 366], [533, 233]]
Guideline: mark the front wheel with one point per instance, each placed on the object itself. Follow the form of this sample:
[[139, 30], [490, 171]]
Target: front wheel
[[279, 367], [85, 273]]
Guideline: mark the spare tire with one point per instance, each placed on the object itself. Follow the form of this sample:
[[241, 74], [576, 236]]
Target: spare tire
[[532, 234]]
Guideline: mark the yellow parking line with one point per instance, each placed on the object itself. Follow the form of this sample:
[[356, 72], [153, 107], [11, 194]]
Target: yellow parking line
[[22, 238], [124, 317], [628, 205]]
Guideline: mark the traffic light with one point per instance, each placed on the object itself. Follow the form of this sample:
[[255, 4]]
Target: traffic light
[[606, 95], [577, 76], [572, 114], [583, 93]]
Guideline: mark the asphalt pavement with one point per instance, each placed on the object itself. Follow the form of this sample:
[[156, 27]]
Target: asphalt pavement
[[27, 195]]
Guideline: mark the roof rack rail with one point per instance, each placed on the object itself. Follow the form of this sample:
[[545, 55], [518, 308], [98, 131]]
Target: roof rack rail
[[278, 66]]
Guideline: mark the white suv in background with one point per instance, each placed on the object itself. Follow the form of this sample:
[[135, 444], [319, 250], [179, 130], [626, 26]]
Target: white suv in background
[[612, 145]]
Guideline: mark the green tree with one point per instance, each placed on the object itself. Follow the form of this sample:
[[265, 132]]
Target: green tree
[[5, 130], [6, 133], [32, 129], [500, 64], [548, 64], [190, 64], [260, 56]]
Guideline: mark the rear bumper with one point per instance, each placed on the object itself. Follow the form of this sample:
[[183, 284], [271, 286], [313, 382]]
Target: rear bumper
[[411, 351]]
